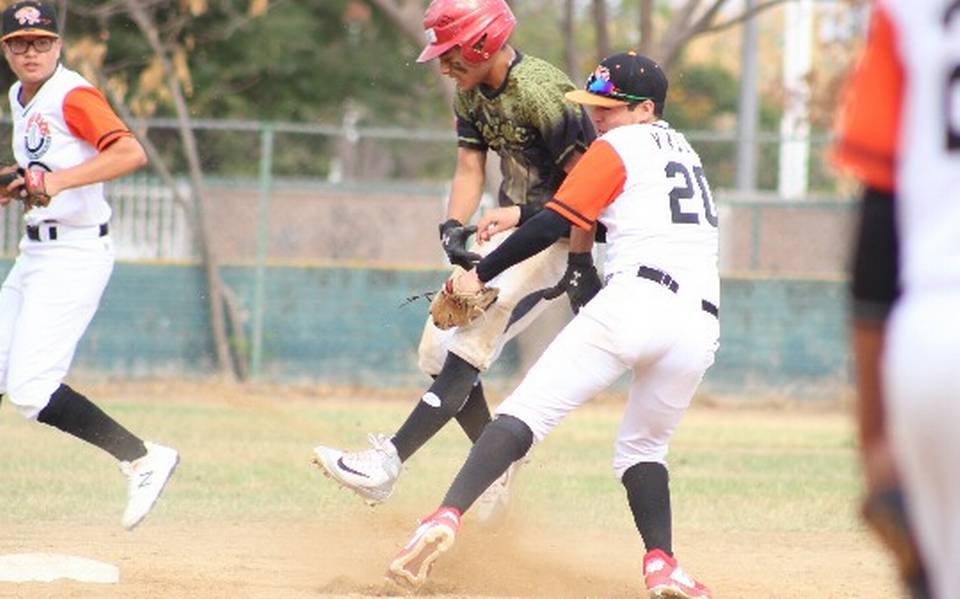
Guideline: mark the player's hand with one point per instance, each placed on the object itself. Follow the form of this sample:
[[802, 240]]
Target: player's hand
[[496, 220], [581, 281], [468, 281], [10, 181], [453, 237]]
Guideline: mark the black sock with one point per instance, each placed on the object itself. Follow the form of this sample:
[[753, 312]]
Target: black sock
[[475, 414], [73, 413], [503, 442], [648, 491], [439, 404]]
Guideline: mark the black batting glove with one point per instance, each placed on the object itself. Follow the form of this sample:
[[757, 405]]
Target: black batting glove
[[581, 281], [453, 237]]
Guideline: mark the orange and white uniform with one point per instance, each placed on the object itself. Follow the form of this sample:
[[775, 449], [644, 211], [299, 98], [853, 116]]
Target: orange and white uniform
[[657, 315], [900, 132], [66, 257]]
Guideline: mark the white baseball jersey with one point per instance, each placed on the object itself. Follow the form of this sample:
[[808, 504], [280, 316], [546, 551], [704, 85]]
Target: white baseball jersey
[[646, 185], [656, 316], [66, 123], [900, 132]]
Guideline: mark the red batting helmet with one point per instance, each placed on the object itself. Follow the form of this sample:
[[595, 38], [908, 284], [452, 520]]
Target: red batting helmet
[[479, 27]]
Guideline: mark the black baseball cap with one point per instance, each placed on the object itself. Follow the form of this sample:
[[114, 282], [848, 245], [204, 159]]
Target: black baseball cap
[[623, 79], [29, 18]]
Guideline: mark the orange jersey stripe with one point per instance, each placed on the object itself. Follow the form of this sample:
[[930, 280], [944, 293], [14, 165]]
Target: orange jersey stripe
[[592, 185], [869, 119], [90, 117]]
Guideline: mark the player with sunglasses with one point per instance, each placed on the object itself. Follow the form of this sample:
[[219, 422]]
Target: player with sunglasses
[[657, 316]]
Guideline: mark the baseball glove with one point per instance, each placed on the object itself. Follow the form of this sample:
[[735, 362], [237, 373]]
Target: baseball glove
[[885, 513], [454, 307], [34, 190]]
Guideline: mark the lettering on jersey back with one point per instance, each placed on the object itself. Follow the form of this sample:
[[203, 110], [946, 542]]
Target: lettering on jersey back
[[951, 18], [953, 110], [686, 191]]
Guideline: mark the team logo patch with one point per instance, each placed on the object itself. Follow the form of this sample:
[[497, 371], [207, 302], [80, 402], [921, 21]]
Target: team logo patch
[[28, 15], [37, 138], [431, 35]]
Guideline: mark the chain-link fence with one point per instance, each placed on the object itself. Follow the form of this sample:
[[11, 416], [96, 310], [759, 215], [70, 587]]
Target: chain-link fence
[[306, 191]]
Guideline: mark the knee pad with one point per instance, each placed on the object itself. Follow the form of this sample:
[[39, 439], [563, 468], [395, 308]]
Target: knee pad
[[512, 430]]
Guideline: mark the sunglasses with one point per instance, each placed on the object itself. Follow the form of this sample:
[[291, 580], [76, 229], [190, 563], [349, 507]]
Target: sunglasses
[[19, 45], [602, 86]]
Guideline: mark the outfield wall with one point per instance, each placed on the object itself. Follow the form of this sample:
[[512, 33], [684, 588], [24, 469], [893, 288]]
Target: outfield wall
[[345, 326]]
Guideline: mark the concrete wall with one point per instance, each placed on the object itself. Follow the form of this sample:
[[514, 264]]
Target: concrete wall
[[399, 226]]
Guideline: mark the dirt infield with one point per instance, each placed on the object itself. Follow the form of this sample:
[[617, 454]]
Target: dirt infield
[[327, 544], [330, 559]]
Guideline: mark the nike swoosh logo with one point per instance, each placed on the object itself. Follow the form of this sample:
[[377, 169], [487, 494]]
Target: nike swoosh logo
[[343, 466]]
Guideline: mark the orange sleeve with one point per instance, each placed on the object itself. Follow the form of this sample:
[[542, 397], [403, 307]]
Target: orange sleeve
[[90, 117], [591, 186], [869, 119]]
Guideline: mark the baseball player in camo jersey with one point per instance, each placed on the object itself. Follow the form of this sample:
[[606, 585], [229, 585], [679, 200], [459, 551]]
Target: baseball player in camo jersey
[[513, 104], [657, 315], [68, 141], [899, 133]]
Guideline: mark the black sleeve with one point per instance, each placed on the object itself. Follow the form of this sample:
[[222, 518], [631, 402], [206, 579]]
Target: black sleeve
[[875, 286], [468, 136], [536, 235]]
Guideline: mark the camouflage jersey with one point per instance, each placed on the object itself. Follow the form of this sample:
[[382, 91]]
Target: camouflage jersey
[[529, 123]]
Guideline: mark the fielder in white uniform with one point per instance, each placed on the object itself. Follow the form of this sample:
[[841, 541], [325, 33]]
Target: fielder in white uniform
[[899, 133], [65, 131], [656, 317], [514, 105]]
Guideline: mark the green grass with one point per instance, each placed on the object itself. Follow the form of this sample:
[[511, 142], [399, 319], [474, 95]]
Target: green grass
[[247, 456]]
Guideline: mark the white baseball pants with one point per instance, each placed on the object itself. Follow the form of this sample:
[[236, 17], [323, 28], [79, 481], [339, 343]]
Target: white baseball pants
[[481, 342], [665, 339], [46, 303], [922, 380]]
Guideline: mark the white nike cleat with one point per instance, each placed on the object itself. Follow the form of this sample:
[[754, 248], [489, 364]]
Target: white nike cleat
[[433, 537], [147, 476], [492, 506], [371, 473]]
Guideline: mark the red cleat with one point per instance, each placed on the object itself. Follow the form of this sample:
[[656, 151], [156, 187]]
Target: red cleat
[[665, 579], [433, 537]]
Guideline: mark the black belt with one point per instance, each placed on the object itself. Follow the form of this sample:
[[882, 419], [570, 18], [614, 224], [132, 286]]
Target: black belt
[[658, 276], [33, 231]]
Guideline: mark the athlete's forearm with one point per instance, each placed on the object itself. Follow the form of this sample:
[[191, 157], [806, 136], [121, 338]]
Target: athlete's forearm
[[467, 187], [534, 236], [122, 157], [581, 240]]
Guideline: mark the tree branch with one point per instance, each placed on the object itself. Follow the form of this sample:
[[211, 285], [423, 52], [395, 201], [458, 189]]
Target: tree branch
[[215, 284], [756, 10]]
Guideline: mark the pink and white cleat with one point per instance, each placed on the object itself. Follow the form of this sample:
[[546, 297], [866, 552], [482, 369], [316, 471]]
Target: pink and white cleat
[[665, 579], [433, 537]]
